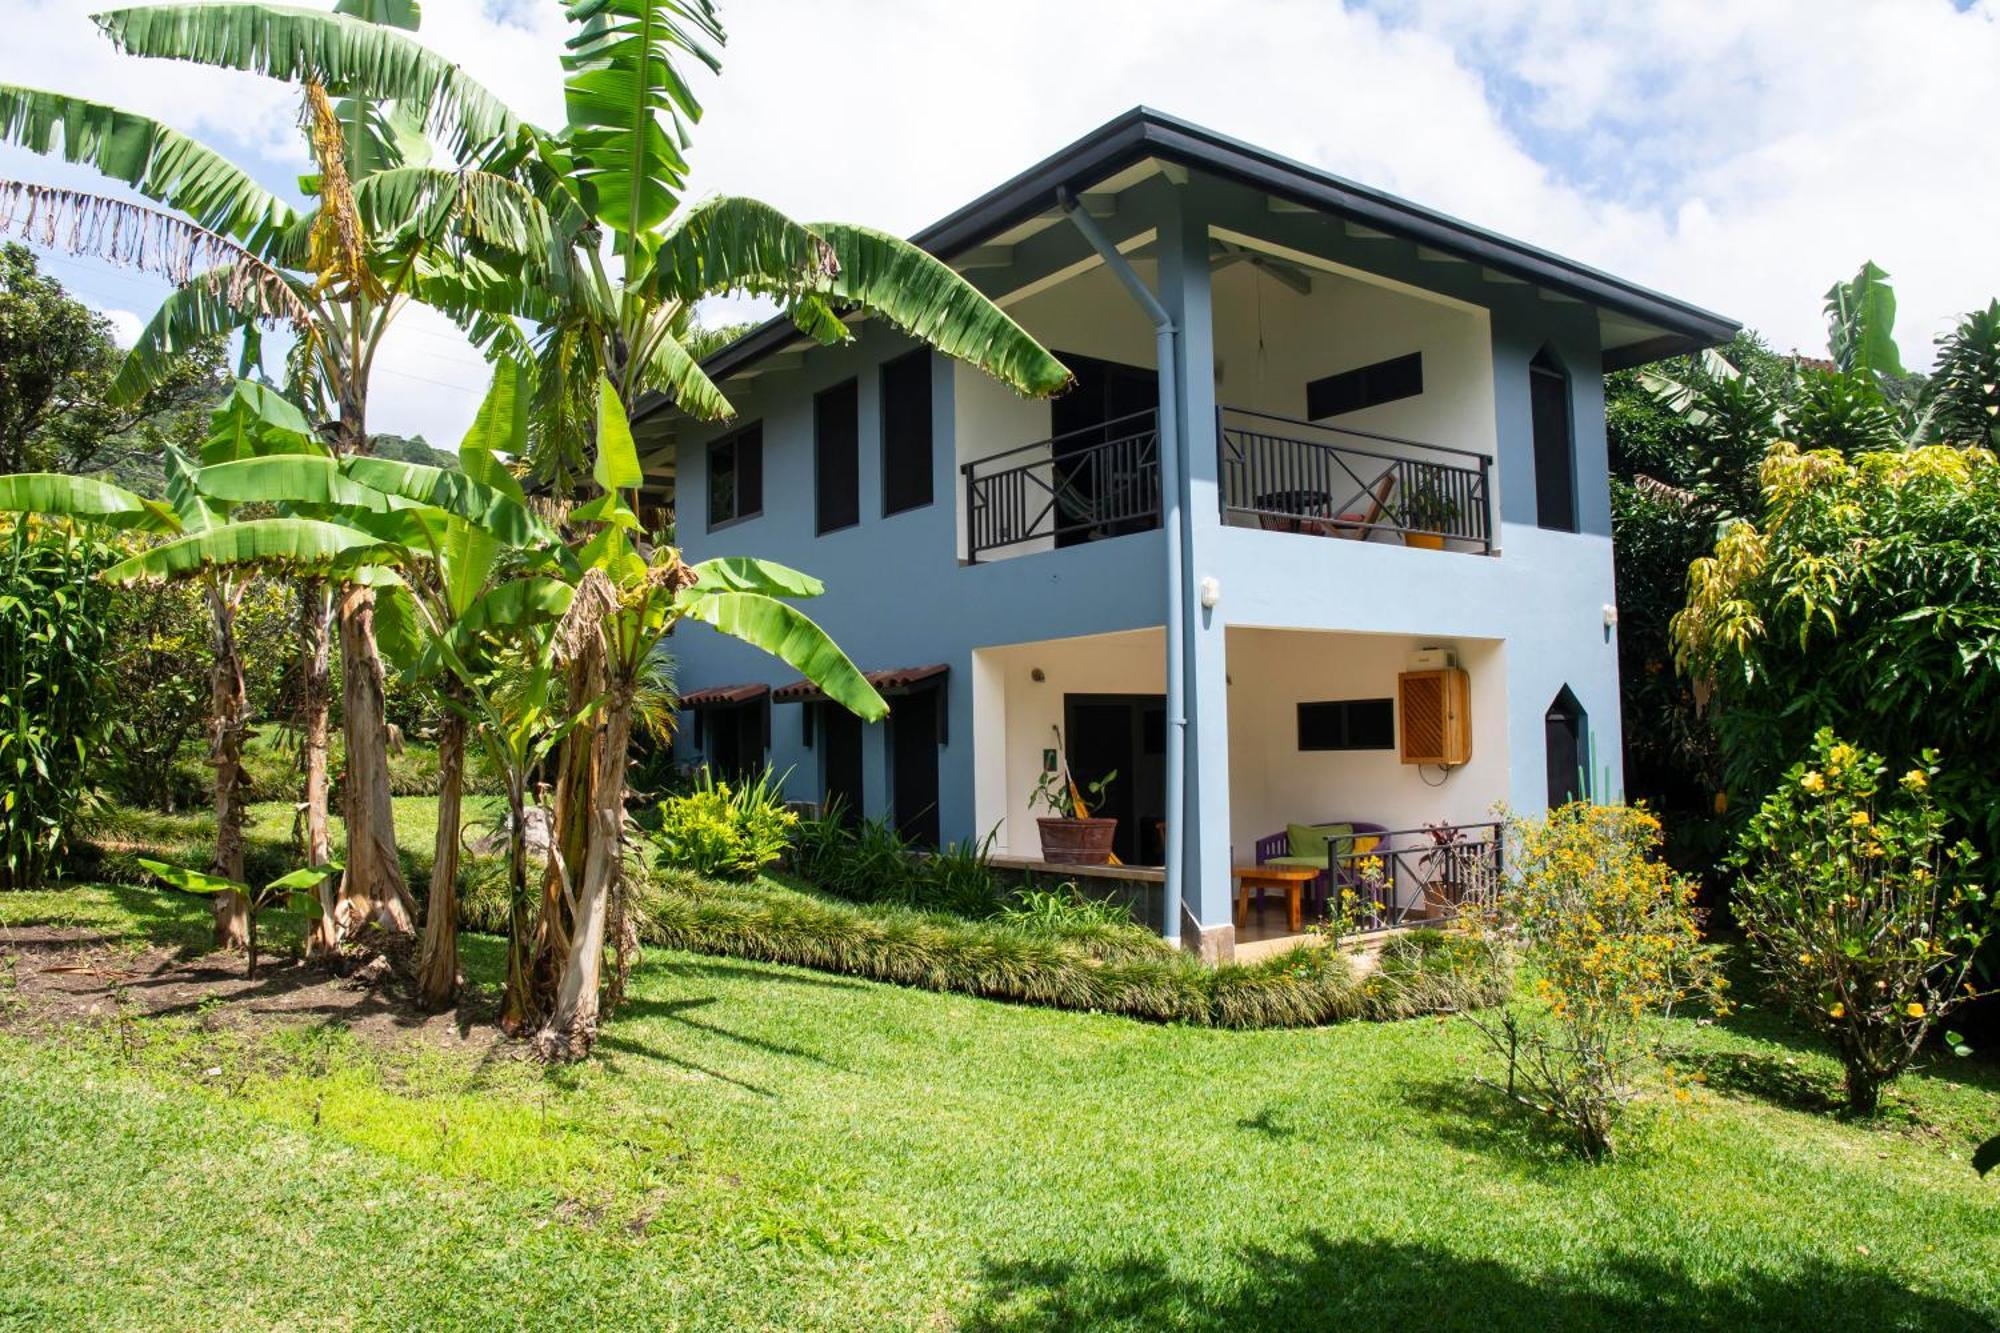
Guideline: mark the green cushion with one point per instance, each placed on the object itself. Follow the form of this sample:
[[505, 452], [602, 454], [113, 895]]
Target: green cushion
[[1340, 838], [1306, 845], [1303, 862]]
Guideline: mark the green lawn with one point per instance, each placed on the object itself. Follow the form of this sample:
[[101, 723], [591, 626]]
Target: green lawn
[[765, 1147]]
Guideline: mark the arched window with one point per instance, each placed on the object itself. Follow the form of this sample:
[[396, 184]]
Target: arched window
[[1555, 443], [1564, 728]]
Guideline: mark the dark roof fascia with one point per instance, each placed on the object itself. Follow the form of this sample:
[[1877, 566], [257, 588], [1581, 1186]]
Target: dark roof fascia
[[1142, 133]]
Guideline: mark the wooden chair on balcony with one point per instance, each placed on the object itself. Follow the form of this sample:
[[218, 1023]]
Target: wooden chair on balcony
[[1358, 525]]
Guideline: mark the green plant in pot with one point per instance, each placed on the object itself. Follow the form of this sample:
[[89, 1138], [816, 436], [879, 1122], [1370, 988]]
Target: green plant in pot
[[1426, 514], [1071, 836]]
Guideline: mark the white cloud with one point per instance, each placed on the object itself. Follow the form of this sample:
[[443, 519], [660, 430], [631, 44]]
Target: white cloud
[[1741, 156], [125, 326]]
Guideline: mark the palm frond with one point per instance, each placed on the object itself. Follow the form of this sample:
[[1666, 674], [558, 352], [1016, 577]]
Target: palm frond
[[484, 206], [163, 164], [732, 243], [348, 55], [210, 305], [927, 300], [291, 545], [628, 105], [672, 370]]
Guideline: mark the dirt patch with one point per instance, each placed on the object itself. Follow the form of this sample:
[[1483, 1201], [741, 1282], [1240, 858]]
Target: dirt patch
[[53, 977]]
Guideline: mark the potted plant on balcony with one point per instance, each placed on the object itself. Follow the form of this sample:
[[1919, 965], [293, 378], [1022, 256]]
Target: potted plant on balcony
[[1070, 835], [1426, 514]]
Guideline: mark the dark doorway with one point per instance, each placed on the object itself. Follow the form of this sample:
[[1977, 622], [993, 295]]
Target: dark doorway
[[1564, 729], [913, 765], [840, 761], [1126, 734], [1111, 491], [734, 739]]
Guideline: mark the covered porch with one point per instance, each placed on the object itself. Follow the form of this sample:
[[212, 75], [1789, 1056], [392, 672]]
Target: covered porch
[[1335, 769]]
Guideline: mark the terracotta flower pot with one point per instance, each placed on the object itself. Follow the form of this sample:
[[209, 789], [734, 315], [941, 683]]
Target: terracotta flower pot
[[1077, 842]]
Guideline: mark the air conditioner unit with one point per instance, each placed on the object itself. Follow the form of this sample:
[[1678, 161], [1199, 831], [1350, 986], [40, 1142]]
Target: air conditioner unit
[[1437, 716], [1433, 659]]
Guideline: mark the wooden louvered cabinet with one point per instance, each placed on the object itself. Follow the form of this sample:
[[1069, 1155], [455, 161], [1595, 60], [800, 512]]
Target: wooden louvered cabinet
[[1436, 708]]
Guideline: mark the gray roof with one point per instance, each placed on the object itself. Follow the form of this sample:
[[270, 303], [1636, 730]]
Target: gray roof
[[1143, 133]]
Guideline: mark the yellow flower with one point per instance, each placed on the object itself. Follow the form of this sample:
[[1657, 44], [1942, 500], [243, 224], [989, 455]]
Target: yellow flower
[[1914, 1010], [1837, 1011], [1915, 780], [1812, 781], [1806, 959], [1859, 819]]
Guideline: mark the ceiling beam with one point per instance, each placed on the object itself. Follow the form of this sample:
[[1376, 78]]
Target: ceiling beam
[[1361, 233], [985, 256]]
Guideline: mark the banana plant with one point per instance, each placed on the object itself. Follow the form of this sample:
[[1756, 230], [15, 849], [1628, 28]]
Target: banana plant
[[627, 599], [304, 882], [393, 219], [251, 422]]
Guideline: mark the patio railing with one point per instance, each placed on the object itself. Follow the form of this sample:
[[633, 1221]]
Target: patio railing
[[1411, 877], [1101, 481], [1297, 476]]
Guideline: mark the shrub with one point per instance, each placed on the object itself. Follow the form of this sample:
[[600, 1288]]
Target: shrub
[[868, 861], [1117, 970], [730, 832], [1612, 935], [55, 710], [1862, 917]]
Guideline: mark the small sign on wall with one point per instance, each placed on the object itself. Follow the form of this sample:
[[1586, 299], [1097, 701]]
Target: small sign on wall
[[1048, 761]]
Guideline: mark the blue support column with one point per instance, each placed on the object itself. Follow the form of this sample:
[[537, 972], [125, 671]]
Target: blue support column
[[1184, 282]]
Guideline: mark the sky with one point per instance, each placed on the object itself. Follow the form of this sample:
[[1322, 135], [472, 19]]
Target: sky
[[1743, 156]]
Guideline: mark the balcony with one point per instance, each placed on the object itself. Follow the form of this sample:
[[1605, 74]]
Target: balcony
[[1085, 485], [1277, 473], [1295, 476]]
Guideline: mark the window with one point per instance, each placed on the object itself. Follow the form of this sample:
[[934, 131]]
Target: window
[[906, 433], [836, 458], [1564, 729], [736, 476], [840, 761], [914, 736], [1348, 724], [1367, 386], [1555, 446]]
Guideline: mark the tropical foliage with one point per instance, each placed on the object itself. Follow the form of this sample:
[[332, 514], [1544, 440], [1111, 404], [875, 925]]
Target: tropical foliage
[[1611, 935], [725, 830], [1865, 600], [1864, 914], [56, 710]]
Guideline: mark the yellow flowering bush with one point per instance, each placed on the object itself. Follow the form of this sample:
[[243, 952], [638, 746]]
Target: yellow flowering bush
[[1612, 937], [1862, 915]]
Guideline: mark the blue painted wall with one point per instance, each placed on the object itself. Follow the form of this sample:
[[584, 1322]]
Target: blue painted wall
[[898, 595]]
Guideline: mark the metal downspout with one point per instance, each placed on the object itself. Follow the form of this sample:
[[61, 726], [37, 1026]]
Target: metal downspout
[[1172, 521]]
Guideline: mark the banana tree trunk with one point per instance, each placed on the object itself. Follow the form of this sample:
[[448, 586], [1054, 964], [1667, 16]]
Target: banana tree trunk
[[372, 888], [315, 708], [437, 968], [517, 1009], [572, 1026], [226, 727], [543, 947]]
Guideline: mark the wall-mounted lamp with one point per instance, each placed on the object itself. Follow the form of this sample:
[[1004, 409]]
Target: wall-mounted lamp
[[1610, 616], [1210, 592], [1037, 675]]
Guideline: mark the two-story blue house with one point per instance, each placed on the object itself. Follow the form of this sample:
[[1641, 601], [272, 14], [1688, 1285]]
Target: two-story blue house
[[1322, 533]]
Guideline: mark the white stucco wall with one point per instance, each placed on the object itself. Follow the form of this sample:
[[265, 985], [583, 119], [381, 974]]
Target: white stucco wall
[[1272, 782], [1017, 711]]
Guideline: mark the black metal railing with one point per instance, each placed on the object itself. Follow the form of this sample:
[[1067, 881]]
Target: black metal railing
[[1407, 877], [1083, 485], [1297, 476]]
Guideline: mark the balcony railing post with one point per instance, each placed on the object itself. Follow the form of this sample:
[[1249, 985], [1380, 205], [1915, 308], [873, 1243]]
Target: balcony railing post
[[1486, 502]]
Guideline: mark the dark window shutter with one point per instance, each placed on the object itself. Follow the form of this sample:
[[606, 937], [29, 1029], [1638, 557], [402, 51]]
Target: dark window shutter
[[750, 471], [906, 433], [836, 458], [1366, 386], [1555, 446]]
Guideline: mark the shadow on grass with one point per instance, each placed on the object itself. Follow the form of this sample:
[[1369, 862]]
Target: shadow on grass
[[1320, 1282], [1474, 1117], [607, 1045], [747, 971], [676, 1011], [1265, 1122]]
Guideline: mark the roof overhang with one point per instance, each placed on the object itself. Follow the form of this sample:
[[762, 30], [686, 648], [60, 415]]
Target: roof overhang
[[1665, 326]]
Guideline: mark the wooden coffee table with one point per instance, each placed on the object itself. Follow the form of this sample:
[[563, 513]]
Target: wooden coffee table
[[1292, 879]]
